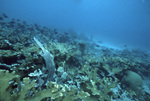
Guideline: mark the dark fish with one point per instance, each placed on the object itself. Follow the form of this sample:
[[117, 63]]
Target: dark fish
[[36, 27], [97, 45], [13, 19], [24, 22], [146, 55], [1, 18], [55, 31], [125, 46], [19, 25], [3, 23], [18, 19], [8, 26], [4, 15], [12, 22], [30, 28], [42, 31], [65, 33], [17, 30]]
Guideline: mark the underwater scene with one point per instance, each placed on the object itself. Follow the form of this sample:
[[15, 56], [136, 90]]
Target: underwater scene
[[74, 50]]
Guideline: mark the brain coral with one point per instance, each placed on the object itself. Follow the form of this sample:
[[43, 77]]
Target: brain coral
[[133, 81]]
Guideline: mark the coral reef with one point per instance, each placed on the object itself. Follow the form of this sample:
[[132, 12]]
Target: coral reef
[[70, 67]]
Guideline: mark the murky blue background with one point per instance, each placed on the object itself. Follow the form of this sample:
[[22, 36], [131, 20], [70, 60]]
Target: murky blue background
[[124, 22]]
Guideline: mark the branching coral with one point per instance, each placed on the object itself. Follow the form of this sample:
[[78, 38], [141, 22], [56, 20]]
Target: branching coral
[[5, 78], [28, 92], [61, 49], [98, 87], [101, 88]]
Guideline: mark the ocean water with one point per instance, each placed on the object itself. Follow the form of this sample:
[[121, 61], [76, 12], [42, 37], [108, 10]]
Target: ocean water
[[123, 22], [74, 50]]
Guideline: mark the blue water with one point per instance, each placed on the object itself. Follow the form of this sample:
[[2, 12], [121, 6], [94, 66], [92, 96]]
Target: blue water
[[120, 22]]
